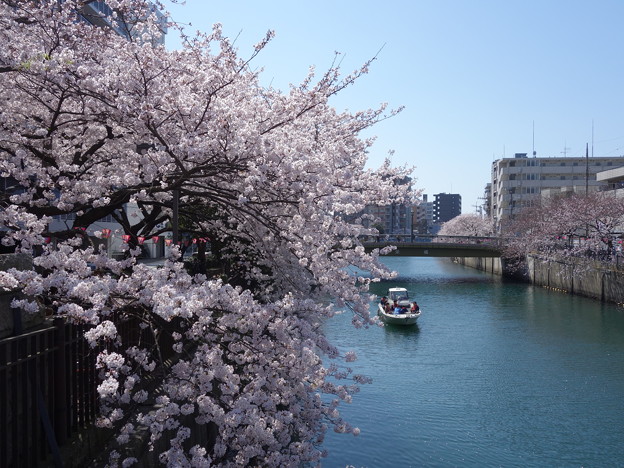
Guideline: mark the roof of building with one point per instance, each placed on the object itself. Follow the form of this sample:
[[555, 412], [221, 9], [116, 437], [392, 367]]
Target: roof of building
[[612, 175]]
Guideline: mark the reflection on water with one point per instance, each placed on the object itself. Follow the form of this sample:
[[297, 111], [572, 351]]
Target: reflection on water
[[495, 374]]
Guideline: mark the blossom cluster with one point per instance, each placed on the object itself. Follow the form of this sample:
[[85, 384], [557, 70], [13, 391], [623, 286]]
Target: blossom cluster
[[583, 224], [92, 121], [468, 225]]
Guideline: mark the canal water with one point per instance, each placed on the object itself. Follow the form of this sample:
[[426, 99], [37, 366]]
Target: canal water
[[495, 374]]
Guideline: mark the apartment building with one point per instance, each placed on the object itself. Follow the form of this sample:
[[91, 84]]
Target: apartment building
[[394, 219], [517, 182], [100, 14], [446, 206], [423, 219]]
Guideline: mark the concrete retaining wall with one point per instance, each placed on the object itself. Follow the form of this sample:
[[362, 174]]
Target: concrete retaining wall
[[495, 266], [584, 277], [487, 264]]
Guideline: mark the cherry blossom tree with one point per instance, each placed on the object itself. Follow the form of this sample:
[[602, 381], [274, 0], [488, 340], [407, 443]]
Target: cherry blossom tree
[[588, 225], [92, 120], [467, 225]]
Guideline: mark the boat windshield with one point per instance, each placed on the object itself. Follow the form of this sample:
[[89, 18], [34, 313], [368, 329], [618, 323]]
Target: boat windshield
[[398, 295]]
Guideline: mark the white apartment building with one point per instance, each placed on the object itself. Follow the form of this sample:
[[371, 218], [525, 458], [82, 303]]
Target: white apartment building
[[423, 221], [392, 219], [517, 182]]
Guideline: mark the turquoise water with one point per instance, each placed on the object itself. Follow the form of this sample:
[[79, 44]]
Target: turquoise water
[[495, 374]]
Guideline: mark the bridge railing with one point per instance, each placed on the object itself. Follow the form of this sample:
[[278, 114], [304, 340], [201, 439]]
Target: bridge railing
[[417, 238]]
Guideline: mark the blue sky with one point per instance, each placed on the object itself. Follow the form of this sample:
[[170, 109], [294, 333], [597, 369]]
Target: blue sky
[[475, 76]]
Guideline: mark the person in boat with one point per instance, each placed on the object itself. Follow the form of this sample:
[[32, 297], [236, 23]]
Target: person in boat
[[384, 301], [415, 307]]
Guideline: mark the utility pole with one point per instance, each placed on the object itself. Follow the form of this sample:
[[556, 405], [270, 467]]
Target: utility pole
[[511, 202], [586, 169]]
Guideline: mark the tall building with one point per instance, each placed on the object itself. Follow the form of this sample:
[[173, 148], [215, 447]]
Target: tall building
[[393, 219], [100, 14], [423, 216], [446, 206], [486, 206], [519, 181]]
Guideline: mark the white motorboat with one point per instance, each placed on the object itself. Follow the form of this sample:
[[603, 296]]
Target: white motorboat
[[397, 309]]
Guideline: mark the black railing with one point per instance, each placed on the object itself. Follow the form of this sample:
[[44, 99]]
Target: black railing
[[48, 389], [416, 238]]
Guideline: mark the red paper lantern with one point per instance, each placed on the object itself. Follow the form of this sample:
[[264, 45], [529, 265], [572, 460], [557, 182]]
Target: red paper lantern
[[168, 241], [155, 239], [106, 233], [126, 238], [140, 240]]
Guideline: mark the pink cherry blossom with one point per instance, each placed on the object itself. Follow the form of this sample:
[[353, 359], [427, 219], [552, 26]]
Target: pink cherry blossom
[[467, 225], [579, 225], [92, 121]]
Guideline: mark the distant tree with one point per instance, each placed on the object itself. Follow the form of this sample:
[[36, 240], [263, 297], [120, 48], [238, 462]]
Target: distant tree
[[576, 225], [91, 121], [467, 225]]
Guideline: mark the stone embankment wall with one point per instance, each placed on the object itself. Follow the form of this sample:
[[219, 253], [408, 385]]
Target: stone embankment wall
[[598, 280], [584, 277], [496, 266]]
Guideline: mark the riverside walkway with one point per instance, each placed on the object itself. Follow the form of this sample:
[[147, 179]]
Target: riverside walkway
[[436, 246]]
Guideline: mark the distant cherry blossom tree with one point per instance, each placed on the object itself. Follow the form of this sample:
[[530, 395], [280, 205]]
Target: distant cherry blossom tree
[[467, 225], [91, 121], [588, 225]]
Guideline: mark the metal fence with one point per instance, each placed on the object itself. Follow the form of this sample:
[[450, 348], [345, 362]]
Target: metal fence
[[47, 392], [48, 389]]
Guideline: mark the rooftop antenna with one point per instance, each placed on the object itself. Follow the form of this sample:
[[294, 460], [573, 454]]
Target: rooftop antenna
[[565, 150], [592, 138], [534, 153]]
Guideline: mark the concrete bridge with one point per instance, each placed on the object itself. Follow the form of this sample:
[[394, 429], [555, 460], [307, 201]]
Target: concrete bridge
[[437, 246]]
